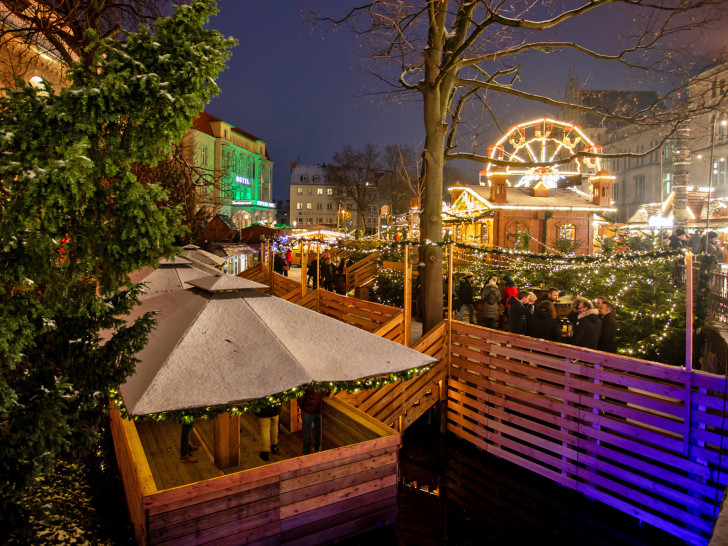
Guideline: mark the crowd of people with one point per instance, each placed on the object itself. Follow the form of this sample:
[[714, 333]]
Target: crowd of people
[[707, 243], [588, 324]]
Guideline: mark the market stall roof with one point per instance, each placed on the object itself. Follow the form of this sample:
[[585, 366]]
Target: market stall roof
[[195, 254], [224, 342], [170, 275]]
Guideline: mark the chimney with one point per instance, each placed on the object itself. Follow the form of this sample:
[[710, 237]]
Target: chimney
[[293, 165], [498, 185], [601, 183]]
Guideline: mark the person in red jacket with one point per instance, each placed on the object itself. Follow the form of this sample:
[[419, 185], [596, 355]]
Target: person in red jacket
[[509, 290]]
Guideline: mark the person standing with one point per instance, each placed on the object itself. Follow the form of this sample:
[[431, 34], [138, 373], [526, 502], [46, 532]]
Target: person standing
[[519, 311], [608, 335], [268, 419], [465, 296], [543, 323], [588, 325], [678, 239], [509, 290], [490, 295], [279, 263], [186, 446], [289, 260], [327, 273], [311, 404]]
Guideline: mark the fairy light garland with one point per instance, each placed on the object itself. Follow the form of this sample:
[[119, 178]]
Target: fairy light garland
[[253, 406]]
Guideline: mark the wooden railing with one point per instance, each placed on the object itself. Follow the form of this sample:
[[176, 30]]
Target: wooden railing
[[643, 437], [399, 404], [348, 489], [362, 272], [367, 315]]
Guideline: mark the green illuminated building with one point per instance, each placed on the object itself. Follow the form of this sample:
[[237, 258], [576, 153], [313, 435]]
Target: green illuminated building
[[238, 168]]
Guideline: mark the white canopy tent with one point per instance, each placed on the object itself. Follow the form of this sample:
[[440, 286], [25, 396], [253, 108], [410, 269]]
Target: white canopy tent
[[224, 342]]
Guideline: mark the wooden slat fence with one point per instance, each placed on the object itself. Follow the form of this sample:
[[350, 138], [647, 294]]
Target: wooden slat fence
[[285, 288], [399, 404], [362, 272], [257, 273], [646, 438], [367, 315]]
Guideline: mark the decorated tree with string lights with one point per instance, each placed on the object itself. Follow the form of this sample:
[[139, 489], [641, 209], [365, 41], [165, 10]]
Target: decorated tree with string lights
[[76, 222]]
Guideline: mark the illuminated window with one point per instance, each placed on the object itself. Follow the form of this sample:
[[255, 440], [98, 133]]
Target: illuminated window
[[567, 231], [308, 206], [299, 191], [299, 206], [329, 191], [319, 191]]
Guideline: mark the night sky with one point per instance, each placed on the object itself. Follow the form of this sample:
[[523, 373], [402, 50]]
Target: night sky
[[303, 92]]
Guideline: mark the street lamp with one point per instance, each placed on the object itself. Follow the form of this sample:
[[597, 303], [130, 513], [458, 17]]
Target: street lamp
[[710, 178]]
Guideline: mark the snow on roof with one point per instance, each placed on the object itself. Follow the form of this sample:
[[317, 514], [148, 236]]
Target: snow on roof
[[212, 349]]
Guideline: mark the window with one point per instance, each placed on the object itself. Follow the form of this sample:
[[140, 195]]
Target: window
[[299, 191], [319, 191], [329, 206], [316, 178], [329, 191], [304, 178], [639, 187], [319, 206], [615, 193], [299, 206], [668, 184], [225, 133], [369, 220], [308, 206], [567, 231], [203, 154], [320, 220]]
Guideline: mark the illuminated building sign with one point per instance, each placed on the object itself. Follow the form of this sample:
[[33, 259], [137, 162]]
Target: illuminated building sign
[[242, 180], [253, 202]]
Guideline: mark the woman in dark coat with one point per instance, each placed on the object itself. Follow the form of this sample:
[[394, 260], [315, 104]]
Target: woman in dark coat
[[588, 325], [543, 323]]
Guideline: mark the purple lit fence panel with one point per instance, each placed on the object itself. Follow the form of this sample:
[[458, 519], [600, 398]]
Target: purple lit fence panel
[[645, 438]]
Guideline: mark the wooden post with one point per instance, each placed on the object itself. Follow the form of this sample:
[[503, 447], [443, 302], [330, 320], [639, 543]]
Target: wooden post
[[304, 269], [450, 247], [407, 297], [688, 350], [293, 415], [227, 441], [689, 312], [318, 266]]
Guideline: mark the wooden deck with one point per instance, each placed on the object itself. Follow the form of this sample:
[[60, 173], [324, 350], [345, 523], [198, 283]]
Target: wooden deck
[[160, 440]]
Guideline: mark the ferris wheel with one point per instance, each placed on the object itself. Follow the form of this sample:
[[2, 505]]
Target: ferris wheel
[[542, 141]]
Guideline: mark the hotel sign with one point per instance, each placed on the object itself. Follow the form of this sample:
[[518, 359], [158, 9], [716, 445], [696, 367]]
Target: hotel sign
[[242, 180], [255, 203]]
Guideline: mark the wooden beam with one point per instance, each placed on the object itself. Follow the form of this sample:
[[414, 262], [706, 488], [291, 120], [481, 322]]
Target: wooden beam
[[227, 441], [407, 297]]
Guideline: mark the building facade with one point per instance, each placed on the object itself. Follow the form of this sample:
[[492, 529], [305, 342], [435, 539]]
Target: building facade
[[641, 181], [238, 168], [314, 201]]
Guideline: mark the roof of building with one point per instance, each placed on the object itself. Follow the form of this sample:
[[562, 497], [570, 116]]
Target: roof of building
[[202, 123], [558, 198]]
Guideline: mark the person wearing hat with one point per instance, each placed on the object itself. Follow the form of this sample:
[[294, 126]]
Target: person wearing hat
[[465, 296], [588, 325], [678, 239]]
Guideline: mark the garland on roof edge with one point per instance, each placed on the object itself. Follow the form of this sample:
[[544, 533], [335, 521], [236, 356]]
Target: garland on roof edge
[[253, 406]]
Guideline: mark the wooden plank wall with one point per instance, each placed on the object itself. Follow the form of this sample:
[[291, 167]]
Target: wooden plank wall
[[364, 314], [399, 404], [344, 491], [646, 438], [285, 288], [136, 475], [362, 272], [257, 273]]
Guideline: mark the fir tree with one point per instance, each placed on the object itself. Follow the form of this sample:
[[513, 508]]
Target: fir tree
[[75, 222]]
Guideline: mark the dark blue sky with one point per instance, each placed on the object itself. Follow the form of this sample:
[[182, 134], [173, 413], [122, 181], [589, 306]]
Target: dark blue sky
[[302, 90]]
